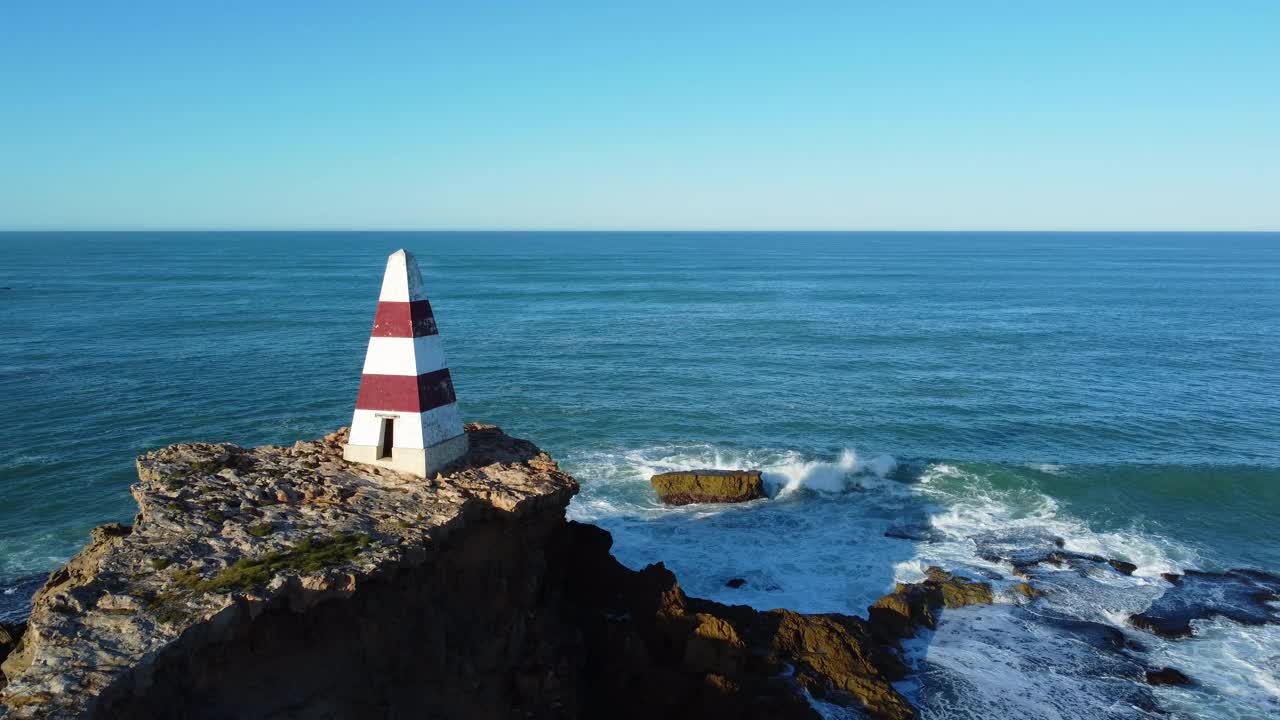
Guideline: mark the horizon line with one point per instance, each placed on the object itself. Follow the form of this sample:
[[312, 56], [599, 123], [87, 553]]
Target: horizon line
[[634, 230]]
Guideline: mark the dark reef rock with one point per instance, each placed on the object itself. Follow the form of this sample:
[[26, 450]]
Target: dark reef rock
[[735, 583], [1097, 635], [1239, 595], [1168, 676], [920, 532], [708, 486], [1122, 567], [1028, 547]]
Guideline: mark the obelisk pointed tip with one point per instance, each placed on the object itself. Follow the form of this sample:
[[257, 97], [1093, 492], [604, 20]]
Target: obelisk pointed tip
[[403, 280]]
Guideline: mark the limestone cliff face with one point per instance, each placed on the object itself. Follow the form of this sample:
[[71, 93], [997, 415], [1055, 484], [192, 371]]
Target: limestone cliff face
[[285, 582]]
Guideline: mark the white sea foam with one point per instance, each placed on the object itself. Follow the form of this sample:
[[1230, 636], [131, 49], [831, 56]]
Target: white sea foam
[[1237, 669], [819, 545], [847, 472], [1048, 468]]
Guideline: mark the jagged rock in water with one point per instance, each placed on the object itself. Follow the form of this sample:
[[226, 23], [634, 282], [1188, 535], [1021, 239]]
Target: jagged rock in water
[[912, 605], [1027, 591], [898, 614], [1122, 567], [708, 486], [1168, 676], [1027, 547], [1020, 547], [958, 591], [1239, 595], [735, 583]]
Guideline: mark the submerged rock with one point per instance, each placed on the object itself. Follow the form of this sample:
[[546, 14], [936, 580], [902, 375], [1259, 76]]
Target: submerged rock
[[1026, 548], [1122, 567], [735, 583], [1168, 676], [920, 532], [1099, 636], [1012, 661], [708, 486], [1240, 595], [1018, 547]]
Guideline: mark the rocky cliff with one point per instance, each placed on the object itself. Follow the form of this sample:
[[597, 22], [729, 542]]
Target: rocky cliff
[[285, 582]]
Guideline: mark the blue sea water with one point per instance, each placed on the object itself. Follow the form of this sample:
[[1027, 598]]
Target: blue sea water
[[1119, 391]]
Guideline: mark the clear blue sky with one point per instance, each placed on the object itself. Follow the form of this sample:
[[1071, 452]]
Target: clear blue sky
[[874, 115]]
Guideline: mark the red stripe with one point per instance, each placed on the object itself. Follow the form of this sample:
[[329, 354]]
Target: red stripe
[[404, 319], [406, 393]]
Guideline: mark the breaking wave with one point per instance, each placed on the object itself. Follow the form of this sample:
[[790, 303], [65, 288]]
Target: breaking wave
[[819, 544]]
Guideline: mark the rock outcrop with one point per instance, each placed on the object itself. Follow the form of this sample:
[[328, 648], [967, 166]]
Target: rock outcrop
[[286, 582], [916, 605], [1245, 596], [247, 573], [708, 486]]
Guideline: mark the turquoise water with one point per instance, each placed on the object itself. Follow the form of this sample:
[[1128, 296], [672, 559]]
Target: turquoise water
[[1119, 389]]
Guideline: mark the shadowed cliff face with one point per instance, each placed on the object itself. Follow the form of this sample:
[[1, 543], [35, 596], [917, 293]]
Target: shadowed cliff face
[[465, 634], [286, 583], [653, 652]]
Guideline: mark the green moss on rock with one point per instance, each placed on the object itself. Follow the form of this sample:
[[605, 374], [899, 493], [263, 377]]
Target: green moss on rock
[[261, 529], [249, 573]]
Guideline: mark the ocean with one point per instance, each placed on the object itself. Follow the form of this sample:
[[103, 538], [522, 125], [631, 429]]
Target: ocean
[[1115, 394]]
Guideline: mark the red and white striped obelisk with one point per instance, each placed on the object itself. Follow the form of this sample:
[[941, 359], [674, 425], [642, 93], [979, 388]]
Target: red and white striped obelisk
[[406, 414]]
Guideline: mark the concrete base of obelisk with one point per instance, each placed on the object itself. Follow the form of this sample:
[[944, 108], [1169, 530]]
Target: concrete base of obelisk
[[423, 462]]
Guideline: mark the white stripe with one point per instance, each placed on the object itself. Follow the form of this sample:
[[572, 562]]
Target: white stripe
[[412, 430], [404, 356], [402, 281], [441, 424]]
